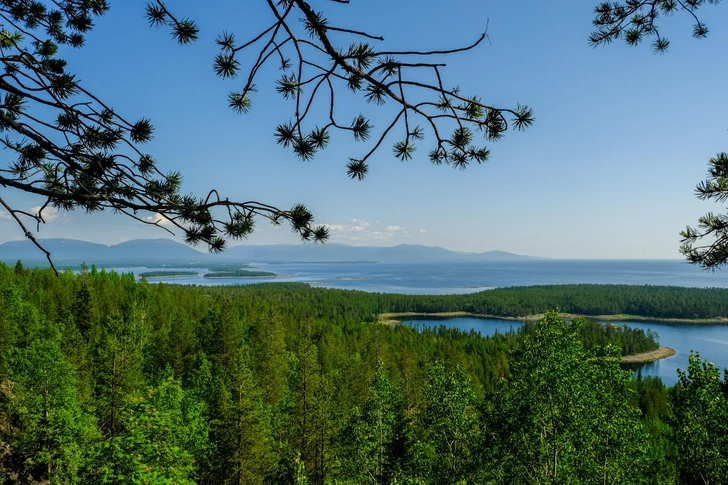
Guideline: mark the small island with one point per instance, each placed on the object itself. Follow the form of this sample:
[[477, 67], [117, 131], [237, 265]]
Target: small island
[[239, 273], [651, 356], [228, 267], [167, 274]]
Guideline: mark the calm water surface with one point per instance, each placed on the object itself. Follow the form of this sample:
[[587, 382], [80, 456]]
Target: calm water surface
[[711, 341]]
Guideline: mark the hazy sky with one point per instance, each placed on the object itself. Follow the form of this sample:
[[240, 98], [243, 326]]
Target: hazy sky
[[608, 170]]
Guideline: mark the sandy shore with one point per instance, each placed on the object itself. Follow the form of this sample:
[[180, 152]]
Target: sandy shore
[[395, 318], [660, 353], [638, 318], [229, 277]]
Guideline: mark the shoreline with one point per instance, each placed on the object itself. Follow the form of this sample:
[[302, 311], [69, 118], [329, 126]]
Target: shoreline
[[168, 277], [639, 318], [651, 356], [395, 317]]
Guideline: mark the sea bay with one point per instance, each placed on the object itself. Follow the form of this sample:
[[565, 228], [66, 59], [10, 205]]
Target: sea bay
[[433, 278]]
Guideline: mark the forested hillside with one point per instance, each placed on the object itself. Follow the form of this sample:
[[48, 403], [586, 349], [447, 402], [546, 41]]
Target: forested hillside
[[106, 380], [646, 301]]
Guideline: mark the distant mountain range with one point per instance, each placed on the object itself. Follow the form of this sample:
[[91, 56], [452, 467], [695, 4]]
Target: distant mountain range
[[165, 252], [138, 252]]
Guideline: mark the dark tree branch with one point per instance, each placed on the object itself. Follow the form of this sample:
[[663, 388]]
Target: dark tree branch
[[635, 20], [14, 214], [382, 76], [86, 156]]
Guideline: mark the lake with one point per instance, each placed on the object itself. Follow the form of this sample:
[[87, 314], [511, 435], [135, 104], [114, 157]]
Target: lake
[[466, 277], [711, 341]]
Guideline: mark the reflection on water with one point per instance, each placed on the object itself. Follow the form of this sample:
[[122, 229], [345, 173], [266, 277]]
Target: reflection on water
[[487, 327], [643, 370], [710, 341]]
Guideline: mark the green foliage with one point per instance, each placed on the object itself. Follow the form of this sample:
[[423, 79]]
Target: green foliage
[[118, 359], [239, 429], [51, 435], [715, 187], [304, 382], [450, 426], [239, 273], [373, 438], [700, 409], [10, 307], [563, 416], [163, 432], [271, 355], [283, 383], [167, 274]]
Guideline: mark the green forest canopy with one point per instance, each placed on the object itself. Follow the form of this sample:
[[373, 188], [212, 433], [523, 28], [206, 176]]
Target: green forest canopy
[[104, 379]]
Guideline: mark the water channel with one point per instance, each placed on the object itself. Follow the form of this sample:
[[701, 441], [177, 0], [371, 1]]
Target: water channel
[[711, 341]]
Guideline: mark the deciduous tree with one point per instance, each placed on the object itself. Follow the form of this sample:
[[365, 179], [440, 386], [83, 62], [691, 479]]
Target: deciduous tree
[[700, 408], [563, 416], [52, 437]]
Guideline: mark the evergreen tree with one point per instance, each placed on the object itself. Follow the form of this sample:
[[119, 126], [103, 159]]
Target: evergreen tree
[[118, 362], [304, 384], [269, 346], [239, 427], [10, 308], [83, 309], [163, 433], [371, 440]]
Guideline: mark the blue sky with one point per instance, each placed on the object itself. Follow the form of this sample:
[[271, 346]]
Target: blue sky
[[608, 170]]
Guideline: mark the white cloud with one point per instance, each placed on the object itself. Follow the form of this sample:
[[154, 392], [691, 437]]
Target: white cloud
[[4, 215], [358, 231], [358, 226], [49, 213], [159, 220], [334, 227], [423, 231]]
